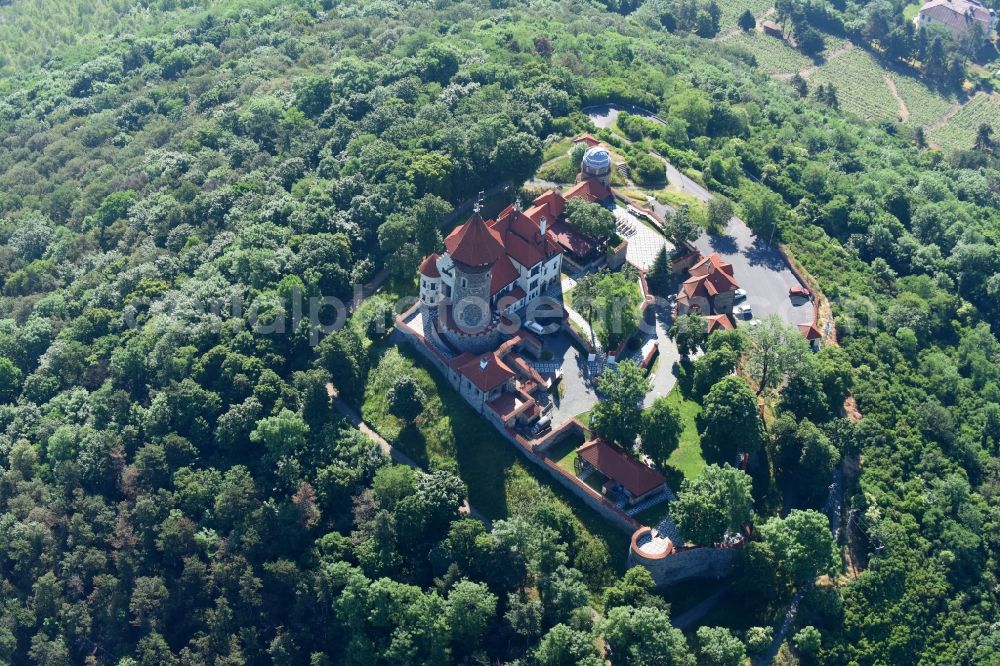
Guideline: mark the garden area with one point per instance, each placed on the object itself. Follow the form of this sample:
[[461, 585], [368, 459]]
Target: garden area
[[687, 458], [610, 302]]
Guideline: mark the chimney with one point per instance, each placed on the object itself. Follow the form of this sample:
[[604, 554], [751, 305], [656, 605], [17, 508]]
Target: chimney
[[542, 225]]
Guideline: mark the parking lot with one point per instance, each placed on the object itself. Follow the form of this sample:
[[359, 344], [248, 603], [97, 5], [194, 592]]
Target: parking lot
[[574, 396], [761, 270]]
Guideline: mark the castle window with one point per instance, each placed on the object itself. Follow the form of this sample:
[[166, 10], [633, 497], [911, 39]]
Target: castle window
[[534, 271], [534, 283]]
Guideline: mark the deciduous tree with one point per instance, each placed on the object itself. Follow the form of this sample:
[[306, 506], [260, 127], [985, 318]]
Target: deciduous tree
[[718, 501]]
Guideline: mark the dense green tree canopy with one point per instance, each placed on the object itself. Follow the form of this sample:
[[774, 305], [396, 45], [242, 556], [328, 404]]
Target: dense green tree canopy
[[661, 430], [717, 502], [175, 486], [618, 417], [730, 421]]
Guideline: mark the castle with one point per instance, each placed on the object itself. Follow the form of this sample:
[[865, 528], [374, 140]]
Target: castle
[[492, 270]]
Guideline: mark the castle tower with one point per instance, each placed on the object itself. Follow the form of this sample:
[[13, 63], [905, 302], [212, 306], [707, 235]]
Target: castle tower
[[430, 281], [597, 164], [473, 248]]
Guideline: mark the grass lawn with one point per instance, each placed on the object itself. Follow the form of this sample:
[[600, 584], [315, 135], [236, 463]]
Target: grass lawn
[[451, 435], [559, 170], [564, 453], [654, 514], [687, 457], [676, 198], [910, 11], [556, 149]]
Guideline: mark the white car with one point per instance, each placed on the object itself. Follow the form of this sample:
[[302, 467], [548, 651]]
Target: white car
[[533, 326], [743, 312], [740, 294]]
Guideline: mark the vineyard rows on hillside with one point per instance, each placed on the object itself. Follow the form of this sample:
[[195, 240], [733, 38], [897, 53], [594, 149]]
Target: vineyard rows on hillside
[[773, 55], [960, 130], [860, 83], [731, 11]]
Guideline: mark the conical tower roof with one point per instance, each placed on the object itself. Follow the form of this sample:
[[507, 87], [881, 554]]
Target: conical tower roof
[[474, 243]]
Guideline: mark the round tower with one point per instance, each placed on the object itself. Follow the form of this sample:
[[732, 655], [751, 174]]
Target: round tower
[[430, 281], [597, 164], [473, 248], [470, 299]]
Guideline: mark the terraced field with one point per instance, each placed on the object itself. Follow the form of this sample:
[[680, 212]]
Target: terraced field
[[773, 55], [860, 83], [960, 130]]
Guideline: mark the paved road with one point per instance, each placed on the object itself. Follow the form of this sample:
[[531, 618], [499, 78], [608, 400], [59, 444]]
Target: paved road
[[577, 395], [664, 380], [683, 183]]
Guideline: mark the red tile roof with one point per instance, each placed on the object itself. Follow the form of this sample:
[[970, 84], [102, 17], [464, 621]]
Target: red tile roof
[[474, 243], [718, 322], [810, 331], [551, 204], [485, 371], [507, 405], [572, 240], [710, 264], [957, 14], [588, 139], [590, 189], [616, 464], [503, 274], [428, 268], [709, 277], [522, 238]]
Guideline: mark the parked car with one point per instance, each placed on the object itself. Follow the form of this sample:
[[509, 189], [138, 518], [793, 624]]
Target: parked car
[[743, 312], [542, 426], [534, 326], [741, 294], [799, 292]]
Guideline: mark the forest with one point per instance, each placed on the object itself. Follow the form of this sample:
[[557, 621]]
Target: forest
[[175, 487]]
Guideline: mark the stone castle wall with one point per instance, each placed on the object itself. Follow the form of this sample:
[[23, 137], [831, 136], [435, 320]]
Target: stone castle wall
[[471, 290], [697, 562]]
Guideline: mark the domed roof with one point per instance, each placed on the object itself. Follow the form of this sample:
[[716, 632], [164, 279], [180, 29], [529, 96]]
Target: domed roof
[[597, 159]]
